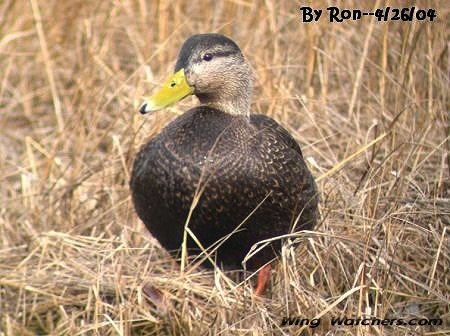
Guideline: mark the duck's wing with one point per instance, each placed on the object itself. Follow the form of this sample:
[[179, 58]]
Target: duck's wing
[[263, 122]]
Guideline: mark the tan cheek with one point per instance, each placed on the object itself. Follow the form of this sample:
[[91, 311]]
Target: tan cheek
[[205, 82], [193, 76]]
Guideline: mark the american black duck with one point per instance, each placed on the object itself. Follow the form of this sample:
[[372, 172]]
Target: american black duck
[[245, 171]]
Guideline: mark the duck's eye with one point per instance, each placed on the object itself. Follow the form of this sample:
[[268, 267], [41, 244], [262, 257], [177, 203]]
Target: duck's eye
[[207, 57]]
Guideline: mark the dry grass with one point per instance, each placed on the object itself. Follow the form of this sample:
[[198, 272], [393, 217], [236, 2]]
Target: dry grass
[[368, 101]]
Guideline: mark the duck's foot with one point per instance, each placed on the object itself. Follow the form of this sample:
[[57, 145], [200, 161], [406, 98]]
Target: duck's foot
[[156, 297], [263, 276]]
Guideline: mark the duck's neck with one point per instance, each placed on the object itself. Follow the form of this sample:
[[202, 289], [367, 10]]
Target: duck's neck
[[236, 105]]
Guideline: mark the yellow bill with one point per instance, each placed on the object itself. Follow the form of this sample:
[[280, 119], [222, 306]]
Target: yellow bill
[[173, 90]]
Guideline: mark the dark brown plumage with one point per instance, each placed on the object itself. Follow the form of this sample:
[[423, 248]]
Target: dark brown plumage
[[238, 163]]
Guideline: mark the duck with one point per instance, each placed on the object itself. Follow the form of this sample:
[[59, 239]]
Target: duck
[[218, 180]]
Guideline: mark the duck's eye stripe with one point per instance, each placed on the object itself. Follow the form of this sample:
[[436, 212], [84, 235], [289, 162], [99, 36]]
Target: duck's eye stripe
[[209, 56], [224, 53]]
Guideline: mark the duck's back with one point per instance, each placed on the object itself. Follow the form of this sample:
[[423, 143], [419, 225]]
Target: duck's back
[[247, 172]]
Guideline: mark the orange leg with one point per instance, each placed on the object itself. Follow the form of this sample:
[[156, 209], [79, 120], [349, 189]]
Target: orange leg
[[156, 297], [263, 276]]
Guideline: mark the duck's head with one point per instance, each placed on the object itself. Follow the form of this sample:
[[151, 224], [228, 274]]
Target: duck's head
[[212, 67]]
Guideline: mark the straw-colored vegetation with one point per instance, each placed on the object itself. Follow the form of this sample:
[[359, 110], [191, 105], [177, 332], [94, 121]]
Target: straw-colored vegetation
[[368, 101]]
